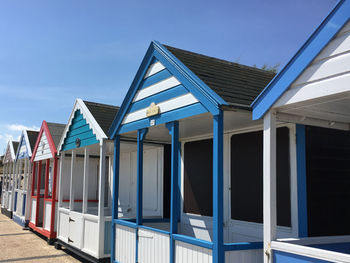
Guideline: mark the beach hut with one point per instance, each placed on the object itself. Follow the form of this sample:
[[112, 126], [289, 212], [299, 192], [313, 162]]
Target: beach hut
[[313, 91], [84, 224], [7, 196], [201, 107], [44, 181], [22, 182]]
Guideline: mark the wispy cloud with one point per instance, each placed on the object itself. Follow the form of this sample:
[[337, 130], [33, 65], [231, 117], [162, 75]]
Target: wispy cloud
[[20, 127]]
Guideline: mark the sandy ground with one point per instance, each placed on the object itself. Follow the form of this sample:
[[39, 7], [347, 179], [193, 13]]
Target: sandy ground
[[17, 245]]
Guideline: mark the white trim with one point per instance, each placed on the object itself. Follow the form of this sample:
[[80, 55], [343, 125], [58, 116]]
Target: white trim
[[164, 106], [156, 88], [153, 69], [305, 251], [90, 120]]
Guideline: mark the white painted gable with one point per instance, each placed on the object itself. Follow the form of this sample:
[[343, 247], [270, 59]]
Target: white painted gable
[[43, 152], [327, 75]]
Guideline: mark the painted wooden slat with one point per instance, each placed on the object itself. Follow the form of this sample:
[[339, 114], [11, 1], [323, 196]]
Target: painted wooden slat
[[125, 244], [33, 209], [158, 98], [338, 46], [188, 111], [153, 246], [164, 74], [154, 68], [188, 253], [47, 215], [165, 106], [156, 88]]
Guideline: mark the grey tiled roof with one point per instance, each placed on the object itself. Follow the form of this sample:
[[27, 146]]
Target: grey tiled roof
[[15, 146], [56, 131], [104, 114], [32, 137], [237, 84]]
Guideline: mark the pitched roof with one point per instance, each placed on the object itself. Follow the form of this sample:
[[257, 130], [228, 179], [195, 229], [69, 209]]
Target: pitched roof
[[32, 137], [104, 114], [237, 84], [15, 146], [56, 130]]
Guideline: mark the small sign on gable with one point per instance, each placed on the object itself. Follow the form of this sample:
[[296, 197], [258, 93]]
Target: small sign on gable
[[152, 110]]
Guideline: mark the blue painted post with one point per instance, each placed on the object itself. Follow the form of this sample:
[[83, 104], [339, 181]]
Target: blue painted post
[[141, 134], [115, 193], [218, 196], [301, 180], [173, 128]]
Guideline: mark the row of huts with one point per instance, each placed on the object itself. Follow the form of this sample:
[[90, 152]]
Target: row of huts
[[204, 161]]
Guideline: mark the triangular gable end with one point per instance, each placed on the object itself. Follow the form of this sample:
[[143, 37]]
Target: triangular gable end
[[44, 146], [9, 153], [322, 36], [24, 150], [170, 87], [81, 129]]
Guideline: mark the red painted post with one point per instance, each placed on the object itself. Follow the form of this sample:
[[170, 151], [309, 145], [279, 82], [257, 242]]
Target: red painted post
[[47, 170], [38, 196], [53, 197], [33, 178]]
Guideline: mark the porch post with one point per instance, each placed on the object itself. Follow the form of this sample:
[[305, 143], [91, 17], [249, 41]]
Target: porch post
[[101, 195], [25, 174], [53, 194], [173, 128], [218, 194], [38, 195], [269, 178], [62, 159], [47, 169], [86, 180], [141, 134], [71, 192], [33, 178], [115, 192]]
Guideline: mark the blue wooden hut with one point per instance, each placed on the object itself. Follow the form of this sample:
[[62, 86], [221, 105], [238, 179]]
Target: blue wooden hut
[[200, 106], [7, 196], [85, 181], [22, 183], [313, 91]]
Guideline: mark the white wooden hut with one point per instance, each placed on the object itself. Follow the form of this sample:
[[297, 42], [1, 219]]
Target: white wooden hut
[[7, 196], [313, 90], [84, 223], [22, 182]]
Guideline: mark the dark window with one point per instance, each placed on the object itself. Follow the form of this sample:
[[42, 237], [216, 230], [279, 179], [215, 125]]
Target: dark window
[[328, 181], [247, 177], [198, 179]]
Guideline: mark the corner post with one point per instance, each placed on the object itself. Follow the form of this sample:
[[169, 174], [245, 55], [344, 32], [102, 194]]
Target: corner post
[[218, 193], [62, 160], [53, 194], [141, 134], [301, 180], [269, 179], [101, 195], [173, 128], [115, 192]]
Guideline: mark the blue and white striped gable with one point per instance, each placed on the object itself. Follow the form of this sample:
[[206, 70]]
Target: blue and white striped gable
[[24, 150], [165, 85]]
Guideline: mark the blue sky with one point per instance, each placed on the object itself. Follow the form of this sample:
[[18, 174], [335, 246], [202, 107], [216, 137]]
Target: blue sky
[[52, 52]]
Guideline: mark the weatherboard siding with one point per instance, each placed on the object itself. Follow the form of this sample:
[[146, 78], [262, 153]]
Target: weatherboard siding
[[43, 152], [79, 128], [160, 86], [23, 152], [330, 68]]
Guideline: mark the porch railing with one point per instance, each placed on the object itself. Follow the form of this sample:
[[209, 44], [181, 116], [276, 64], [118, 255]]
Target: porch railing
[[150, 244], [305, 251]]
